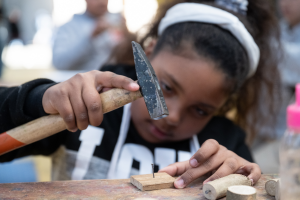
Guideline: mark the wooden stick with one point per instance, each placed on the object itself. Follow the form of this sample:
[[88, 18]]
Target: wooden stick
[[241, 192], [218, 188], [49, 125], [271, 187]]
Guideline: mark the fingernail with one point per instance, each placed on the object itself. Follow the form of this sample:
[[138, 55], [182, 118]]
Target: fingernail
[[98, 88], [207, 181], [73, 130], [179, 183], [194, 163], [242, 167], [252, 182], [134, 85]]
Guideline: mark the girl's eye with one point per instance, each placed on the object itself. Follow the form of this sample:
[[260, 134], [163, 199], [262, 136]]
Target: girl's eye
[[201, 112], [165, 87]]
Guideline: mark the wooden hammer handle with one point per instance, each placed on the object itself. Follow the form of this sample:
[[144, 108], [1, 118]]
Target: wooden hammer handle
[[49, 125]]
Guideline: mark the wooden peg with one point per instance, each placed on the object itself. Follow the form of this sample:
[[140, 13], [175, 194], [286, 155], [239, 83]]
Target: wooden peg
[[241, 192], [218, 188], [271, 187], [146, 182]]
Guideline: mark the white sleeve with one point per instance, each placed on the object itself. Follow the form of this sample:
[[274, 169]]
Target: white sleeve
[[70, 46]]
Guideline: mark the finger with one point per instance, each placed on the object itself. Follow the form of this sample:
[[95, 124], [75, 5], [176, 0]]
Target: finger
[[252, 170], [93, 104], [194, 173], [228, 167], [111, 80], [65, 110], [106, 89], [176, 169], [49, 105], [242, 171], [79, 108], [208, 148]]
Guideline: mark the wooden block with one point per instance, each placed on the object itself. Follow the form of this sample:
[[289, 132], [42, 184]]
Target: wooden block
[[146, 182]]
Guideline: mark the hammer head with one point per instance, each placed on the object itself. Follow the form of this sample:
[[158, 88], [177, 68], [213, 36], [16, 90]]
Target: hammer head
[[149, 84]]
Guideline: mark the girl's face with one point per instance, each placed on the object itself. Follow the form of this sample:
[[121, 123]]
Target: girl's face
[[193, 89]]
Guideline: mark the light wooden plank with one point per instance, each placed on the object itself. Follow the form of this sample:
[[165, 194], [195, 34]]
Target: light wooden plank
[[146, 182]]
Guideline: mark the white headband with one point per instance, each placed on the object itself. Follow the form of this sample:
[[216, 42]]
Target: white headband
[[195, 12]]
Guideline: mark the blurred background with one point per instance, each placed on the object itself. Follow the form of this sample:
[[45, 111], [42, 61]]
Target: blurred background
[[27, 35], [35, 42], [27, 28]]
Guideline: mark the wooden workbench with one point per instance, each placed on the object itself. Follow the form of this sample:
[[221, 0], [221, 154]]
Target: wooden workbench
[[108, 189]]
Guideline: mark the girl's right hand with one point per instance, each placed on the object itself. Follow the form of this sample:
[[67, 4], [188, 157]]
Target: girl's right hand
[[77, 100]]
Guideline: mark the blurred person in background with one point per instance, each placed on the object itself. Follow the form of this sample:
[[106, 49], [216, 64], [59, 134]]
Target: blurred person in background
[[289, 67], [289, 64], [3, 37], [86, 42], [290, 39], [13, 25]]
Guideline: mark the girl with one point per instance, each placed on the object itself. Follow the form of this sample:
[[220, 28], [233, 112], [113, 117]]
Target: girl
[[206, 62]]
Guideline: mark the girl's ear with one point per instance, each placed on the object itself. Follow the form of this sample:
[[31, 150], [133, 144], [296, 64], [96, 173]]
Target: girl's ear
[[150, 47]]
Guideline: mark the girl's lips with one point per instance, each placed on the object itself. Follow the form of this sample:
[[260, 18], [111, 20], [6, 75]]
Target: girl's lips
[[159, 133]]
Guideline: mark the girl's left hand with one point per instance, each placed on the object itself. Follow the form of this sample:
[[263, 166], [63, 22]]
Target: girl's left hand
[[212, 157]]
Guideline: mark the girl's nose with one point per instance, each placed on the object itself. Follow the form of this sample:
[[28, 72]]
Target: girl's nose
[[175, 115]]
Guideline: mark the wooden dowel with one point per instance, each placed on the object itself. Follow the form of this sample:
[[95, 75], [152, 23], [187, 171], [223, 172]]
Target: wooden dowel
[[271, 187], [218, 188]]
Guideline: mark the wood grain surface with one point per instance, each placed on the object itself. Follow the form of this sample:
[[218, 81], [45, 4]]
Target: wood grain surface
[[147, 182], [110, 189]]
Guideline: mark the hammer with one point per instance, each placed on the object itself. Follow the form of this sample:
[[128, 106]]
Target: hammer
[[115, 98]]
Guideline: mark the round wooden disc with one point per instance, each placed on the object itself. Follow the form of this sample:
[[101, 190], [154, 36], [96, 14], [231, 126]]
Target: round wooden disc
[[271, 187], [241, 192]]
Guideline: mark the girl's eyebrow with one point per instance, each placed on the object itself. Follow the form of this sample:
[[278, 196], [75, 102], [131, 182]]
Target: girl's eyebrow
[[206, 105], [173, 80]]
